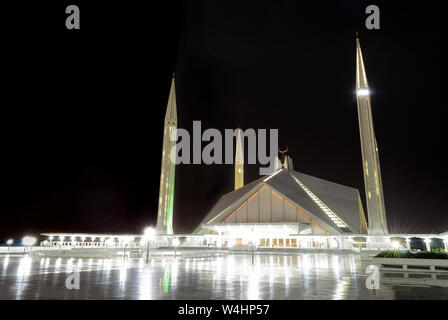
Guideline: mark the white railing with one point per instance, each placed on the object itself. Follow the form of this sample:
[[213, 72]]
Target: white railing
[[413, 271], [17, 249]]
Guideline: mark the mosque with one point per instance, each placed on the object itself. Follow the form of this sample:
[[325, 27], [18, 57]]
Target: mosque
[[286, 209], [279, 209]]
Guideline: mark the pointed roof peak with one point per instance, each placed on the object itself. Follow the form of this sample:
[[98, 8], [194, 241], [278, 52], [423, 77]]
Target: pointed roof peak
[[171, 110], [361, 78]]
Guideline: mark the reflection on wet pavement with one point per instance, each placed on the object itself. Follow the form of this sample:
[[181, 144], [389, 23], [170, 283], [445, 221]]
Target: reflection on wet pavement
[[301, 276]]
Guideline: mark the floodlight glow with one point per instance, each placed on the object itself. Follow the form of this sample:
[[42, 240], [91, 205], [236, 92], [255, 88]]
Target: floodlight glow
[[50, 238], [9, 242], [363, 92], [176, 242], [29, 241], [149, 234], [395, 244]]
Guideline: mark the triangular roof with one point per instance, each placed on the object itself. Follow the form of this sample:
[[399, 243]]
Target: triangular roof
[[227, 200], [342, 200]]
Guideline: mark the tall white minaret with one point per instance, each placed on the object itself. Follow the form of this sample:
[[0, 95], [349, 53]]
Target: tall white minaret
[[239, 162], [166, 190], [371, 164]]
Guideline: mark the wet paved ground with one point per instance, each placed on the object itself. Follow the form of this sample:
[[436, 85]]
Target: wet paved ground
[[301, 276]]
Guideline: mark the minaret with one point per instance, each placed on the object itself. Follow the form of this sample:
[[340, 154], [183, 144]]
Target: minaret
[[166, 190], [239, 162], [371, 164]]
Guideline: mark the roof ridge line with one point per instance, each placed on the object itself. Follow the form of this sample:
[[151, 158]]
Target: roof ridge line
[[320, 203]]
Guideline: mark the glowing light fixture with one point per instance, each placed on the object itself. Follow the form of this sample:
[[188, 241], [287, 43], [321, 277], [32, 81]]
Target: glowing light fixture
[[9, 242], [395, 244], [363, 92], [29, 241], [149, 234]]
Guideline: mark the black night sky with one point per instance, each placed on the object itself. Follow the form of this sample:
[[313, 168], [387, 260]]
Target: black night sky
[[82, 111]]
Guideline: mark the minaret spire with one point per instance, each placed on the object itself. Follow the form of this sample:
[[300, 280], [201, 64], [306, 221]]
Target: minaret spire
[[372, 174], [361, 78], [239, 162], [166, 190]]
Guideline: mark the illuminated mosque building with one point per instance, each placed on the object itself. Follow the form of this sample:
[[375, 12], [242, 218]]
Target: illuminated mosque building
[[286, 209], [282, 209], [275, 209]]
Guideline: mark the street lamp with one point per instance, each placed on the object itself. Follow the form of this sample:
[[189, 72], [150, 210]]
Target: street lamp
[[252, 241], [125, 241], [148, 236], [9, 243], [28, 241], [175, 244]]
